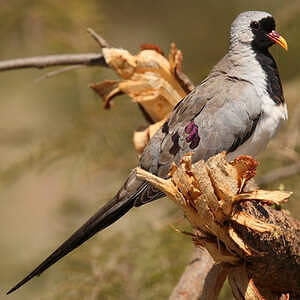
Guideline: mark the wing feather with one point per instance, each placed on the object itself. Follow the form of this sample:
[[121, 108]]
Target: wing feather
[[217, 115]]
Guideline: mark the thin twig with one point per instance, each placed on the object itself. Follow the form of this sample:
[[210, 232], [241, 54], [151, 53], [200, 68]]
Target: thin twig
[[40, 62], [56, 72], [99, 39], [279, 173], [287, 152], [201, 280]]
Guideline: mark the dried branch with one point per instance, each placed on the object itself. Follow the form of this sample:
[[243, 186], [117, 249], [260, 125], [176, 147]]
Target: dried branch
[[279, 173], [243, 288], [237, 227], [56, 72], [156, 83], [202, 278], [40, 62], [98, 38]]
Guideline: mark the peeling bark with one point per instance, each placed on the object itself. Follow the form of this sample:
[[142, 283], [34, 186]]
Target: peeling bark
[[236, 225], [202, 278]]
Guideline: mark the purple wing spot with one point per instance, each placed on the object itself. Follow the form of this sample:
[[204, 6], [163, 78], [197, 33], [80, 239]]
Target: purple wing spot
[[189, 127], [195, 142], [193, 137]]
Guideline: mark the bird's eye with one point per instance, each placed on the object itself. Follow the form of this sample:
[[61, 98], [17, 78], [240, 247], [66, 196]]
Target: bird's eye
[[254, 25]]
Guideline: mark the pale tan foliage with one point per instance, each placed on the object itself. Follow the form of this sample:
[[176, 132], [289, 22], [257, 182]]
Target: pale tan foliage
[[148, 78]]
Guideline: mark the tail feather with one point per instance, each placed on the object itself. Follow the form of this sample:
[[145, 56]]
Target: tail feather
[[108, 214]]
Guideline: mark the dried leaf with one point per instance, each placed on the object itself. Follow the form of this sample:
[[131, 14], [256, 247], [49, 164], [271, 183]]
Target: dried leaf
[[246, 169], [156, 48], [141, 138], [149, 79], [175, 59], [107, 89]]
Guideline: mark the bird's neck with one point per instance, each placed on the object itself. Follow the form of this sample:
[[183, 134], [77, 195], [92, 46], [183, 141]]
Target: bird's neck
[[268, 64], [258, 67]]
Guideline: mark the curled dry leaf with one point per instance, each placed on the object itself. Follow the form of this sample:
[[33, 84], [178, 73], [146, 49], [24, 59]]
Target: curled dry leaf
[[246, 168], [149, 79], [142, 137]]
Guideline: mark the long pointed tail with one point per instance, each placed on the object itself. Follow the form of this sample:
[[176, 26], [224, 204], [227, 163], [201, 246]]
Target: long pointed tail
[[108, 214]]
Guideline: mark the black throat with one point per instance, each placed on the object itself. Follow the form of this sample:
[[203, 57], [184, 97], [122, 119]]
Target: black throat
[[273, 81]]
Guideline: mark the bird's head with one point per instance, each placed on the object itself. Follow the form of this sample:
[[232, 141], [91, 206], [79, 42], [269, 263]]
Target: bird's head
[[255, 29]]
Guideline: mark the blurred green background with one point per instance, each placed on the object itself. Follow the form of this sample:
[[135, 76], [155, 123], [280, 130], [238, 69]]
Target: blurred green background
[[62, 156]]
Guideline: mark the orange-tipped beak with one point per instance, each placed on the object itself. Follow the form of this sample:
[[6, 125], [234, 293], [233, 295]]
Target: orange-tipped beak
[[278, 39]]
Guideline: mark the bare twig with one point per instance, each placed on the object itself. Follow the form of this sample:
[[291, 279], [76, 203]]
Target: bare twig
[[293, 131], [99, 39], [40, 62], [88, 59], [201, 280], [279, 174], [288, 152], [56, 72]]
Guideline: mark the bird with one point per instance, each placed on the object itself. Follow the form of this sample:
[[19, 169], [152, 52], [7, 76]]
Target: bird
[[237, 108]]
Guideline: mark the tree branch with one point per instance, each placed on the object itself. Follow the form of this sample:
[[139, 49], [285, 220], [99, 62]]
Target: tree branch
[[56, 72], [236, 226], [278, 174], [40, 62], [202, 278], [98, 38]]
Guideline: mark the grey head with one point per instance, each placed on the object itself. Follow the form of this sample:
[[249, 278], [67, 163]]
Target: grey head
[[255, 29]]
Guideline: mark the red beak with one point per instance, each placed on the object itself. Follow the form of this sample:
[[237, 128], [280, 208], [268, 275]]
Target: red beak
[[278, 39]]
